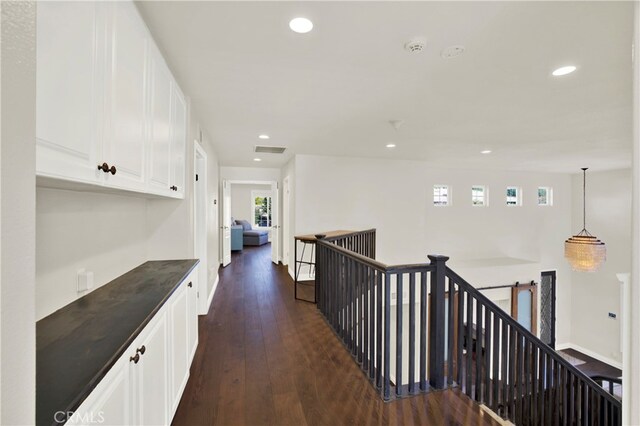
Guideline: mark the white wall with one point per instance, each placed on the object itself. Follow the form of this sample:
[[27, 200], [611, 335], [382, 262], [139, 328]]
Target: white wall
[[595, 294], [395, 197], [241, 201], [102, 233], [250, 173], [17, 213]]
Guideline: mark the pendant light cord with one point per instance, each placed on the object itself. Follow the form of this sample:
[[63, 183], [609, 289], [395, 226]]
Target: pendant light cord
[[584, 198]]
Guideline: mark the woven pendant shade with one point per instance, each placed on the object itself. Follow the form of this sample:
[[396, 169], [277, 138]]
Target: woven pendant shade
[[585, 252]]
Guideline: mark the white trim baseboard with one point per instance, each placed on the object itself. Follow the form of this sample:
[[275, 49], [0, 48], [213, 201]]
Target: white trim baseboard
[[590, 353], [213, 292]]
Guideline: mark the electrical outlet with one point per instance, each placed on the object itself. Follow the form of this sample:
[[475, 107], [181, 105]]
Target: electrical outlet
[[612, 315]]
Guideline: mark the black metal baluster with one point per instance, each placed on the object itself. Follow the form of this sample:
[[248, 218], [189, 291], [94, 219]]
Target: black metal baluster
[[387, 336], [479, 350], [379, 304], [412, 332], [423, 331], [399, 389], [374, 306], [495, 384], [365, 317], [512, 373], [469, 346], [486, 386], [450, 331], [460, 345]]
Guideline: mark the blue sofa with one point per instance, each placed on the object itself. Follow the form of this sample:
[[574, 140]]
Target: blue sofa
[[252, 237]]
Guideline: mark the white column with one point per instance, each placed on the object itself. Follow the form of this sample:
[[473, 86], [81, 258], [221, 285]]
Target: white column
[[17, 213], [631, 388]]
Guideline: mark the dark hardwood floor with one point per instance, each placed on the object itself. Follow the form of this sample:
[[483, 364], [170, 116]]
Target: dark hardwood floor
[[265, 359]]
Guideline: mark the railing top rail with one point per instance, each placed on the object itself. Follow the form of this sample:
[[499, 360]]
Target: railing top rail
[[354, 233], [353, 255], [526, 333]]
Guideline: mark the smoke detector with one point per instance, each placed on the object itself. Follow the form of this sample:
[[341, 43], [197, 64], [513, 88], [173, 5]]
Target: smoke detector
[[452, 51], [416, 45]]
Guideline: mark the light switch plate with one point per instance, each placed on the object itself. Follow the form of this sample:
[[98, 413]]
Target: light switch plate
[[85, 280]]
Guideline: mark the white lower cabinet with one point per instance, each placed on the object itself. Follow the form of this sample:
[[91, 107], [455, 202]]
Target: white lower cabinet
[[145, 385]]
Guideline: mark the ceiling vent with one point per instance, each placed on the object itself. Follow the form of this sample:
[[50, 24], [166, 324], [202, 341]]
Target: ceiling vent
[[415, 45], [270, 149]]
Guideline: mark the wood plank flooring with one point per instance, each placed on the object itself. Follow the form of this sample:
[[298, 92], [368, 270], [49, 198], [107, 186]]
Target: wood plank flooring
[[265, 359]]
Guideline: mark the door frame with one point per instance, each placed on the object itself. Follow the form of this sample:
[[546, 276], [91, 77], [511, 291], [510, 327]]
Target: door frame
[[533, 288], [554, 295], [275, 185], [200, 224], [285, 220]]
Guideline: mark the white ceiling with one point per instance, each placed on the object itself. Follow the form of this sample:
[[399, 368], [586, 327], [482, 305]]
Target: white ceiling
[[333, 91]]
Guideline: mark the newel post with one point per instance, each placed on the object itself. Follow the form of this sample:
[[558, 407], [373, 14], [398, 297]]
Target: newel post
[[437, 321]]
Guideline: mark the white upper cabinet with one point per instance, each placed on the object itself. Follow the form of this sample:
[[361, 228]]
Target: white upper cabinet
[[124, 145], [160, 126], [106, 96], [69, 90], [178, 142]]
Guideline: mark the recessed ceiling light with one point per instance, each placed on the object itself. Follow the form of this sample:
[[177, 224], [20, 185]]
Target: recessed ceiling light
[[263, 136], [390, 145], [486, 151], [257, 159], [300, 25], [564, 70]]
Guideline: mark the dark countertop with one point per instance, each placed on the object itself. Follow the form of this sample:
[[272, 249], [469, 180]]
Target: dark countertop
[[78, 344]]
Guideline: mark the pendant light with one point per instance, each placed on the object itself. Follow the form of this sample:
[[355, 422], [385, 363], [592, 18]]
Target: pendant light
[[585, 252]]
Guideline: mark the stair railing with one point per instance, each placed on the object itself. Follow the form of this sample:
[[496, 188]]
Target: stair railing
[[417, 327]]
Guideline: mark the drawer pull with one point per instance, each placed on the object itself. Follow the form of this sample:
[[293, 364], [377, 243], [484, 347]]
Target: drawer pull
[[135, 358], [190, 284], [141, 349]]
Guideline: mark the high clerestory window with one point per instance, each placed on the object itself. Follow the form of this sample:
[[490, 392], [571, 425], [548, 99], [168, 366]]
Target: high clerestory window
[[545, 196], [479, 195], [441, 195], [514, 197]]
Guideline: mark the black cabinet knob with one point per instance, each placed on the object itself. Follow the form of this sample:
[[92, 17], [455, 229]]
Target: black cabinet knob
[[135, 358], [190, 284], [141, 349], [105, 168], [173, 188]]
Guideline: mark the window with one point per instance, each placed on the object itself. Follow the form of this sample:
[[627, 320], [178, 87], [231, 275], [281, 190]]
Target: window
[[479, 195], [441, 195], [513, 196], [261, 209], [545, 196]]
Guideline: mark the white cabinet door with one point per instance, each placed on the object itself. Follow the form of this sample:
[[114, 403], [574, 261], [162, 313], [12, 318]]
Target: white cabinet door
[[110, 402], [151, 374], [69, 88], [179, 141], [192, 314], [179, 368], [160, 125], [124, 145]]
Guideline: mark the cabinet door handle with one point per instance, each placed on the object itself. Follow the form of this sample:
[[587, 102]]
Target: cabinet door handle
[[173, 188], [113, 170], [104, 167], [190, 284], [135, 358], [141, 349]]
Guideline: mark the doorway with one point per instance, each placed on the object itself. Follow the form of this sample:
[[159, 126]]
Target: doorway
[[200, 231], [548, 308], [250, 217]]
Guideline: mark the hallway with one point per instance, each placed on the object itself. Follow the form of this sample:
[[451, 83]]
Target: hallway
[[265, 359]]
